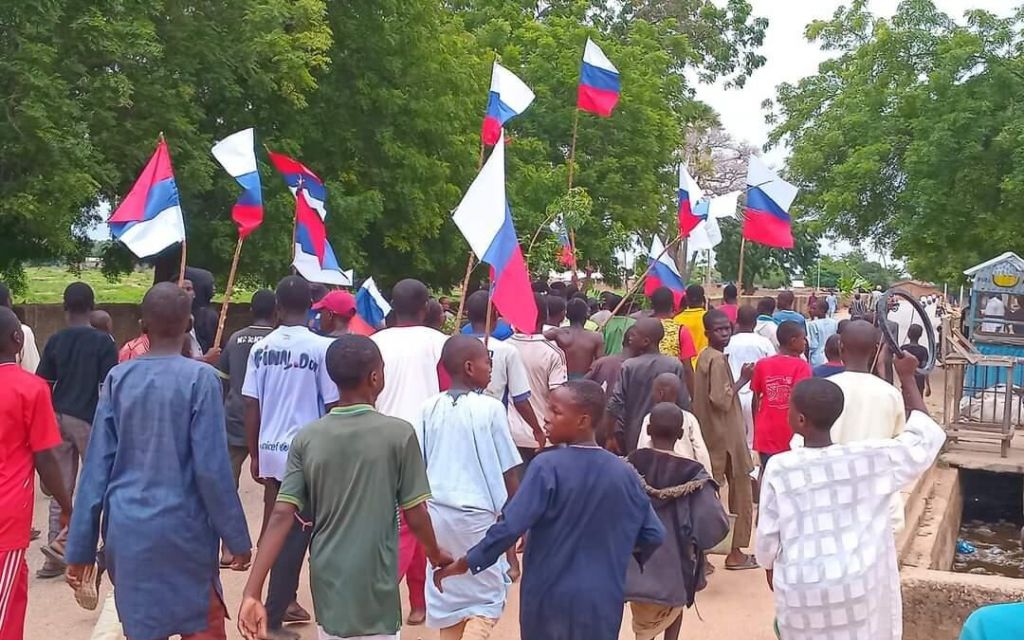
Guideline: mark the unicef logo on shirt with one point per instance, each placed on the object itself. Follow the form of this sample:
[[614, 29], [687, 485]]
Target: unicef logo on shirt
[[274, 447]]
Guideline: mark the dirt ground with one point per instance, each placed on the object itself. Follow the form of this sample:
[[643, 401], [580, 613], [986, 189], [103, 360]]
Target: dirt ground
[[735, 604]]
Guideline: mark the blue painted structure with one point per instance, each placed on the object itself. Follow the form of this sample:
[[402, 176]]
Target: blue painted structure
[[1001, 276]]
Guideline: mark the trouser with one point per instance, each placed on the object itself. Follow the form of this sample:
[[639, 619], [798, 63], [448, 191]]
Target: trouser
[[473, 628], [215, 629], [741, 498], [412, 565], [527, 454], [238, 456], [74, 441], [13, 594], [284, 576]]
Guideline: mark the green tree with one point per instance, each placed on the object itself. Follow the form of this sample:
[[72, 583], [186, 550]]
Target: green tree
[[89, 85], [762, 263], [910, 135]]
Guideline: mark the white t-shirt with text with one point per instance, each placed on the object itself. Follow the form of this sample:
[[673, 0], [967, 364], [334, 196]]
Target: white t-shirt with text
[[287, 373], [411, 356]]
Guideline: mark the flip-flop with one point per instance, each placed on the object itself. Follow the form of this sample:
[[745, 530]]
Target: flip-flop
[[749, 563]]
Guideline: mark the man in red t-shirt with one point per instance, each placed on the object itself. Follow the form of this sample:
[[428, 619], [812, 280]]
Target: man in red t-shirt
[[28, 434], [772, 383]]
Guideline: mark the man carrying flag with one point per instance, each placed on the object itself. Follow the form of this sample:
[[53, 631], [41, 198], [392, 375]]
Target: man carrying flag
[[509, 96], [767, 220]]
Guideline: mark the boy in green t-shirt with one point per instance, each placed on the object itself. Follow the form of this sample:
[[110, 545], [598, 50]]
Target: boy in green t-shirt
[[354, 467]]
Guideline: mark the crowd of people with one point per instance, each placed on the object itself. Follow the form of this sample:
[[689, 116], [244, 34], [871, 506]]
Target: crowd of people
[[594, 445]]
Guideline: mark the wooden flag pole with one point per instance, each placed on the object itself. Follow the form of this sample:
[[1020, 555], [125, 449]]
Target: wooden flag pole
[[465, 289], [490, 314], [228, 291], [181, 266], [572, 168], [641, 279], [743, 250]]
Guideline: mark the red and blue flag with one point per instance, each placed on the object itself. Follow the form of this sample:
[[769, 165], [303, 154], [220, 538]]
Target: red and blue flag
[[149, 218], [599, 88]]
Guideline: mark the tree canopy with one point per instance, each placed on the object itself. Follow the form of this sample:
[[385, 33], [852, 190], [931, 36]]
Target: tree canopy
[[911, 136], [382, 98]]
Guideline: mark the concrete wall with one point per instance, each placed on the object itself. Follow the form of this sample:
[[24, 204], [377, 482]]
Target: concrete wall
[[47, 319], [936, 603]]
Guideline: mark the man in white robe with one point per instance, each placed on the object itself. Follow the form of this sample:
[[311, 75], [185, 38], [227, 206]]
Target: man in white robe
[[824, 530]]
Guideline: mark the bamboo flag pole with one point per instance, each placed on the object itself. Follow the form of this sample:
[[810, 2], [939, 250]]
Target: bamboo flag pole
[[228, 291], [181, 266], [572, 168], [642, 278], [490, 313], [465, 289], [743, 250]]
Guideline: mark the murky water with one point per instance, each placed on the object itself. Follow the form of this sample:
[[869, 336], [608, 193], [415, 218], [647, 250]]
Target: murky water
[[992, 518], [998, 549]]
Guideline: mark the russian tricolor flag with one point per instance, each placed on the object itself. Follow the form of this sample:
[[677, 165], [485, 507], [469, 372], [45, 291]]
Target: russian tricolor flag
[[566, 255], [237, 154], [294, 173], [599, 87], [767, 220], [509, 96], [663, 272], [689, 195], [149, 218], [314, 257], [485, 219], [371, 305]]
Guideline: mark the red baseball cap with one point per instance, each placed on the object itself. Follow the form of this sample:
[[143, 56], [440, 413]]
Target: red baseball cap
[[340, 303]]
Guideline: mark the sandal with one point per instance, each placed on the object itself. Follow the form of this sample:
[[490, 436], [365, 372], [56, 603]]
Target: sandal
[[749, 563]]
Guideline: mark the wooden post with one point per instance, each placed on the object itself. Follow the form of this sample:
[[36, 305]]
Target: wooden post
[[181, 266], [465, 290], [228, 290], [743, 250]]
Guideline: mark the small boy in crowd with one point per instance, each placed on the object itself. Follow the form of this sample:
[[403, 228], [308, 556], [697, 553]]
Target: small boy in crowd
[[587, 515], [919, 351], [772, 384], [824, 531], [686, 500], [833, 359], [28, 437], [351, 469], [157, 479], [631, 400], [819, 330], [717, 407], [690, 444], [471, 465]]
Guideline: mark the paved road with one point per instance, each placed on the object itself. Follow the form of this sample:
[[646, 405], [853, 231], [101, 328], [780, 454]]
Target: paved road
[[735, 604]]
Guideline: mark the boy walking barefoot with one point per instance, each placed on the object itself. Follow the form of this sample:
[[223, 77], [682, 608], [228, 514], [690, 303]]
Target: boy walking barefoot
[[587, 515], [158, 473], [686, 500], [471, 461], [824, 530], [717, 408], [353, 469], [28, 436]]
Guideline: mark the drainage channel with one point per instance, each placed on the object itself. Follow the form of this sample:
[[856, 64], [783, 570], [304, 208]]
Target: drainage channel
[[990, 526]]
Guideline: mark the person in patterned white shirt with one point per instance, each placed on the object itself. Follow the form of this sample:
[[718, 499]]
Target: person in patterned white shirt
[[824, 532]]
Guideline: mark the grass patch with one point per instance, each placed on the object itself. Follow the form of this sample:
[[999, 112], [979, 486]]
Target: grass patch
[[46, 286]]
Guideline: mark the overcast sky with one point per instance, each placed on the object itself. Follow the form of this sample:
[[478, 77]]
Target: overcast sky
[[790, 57]]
